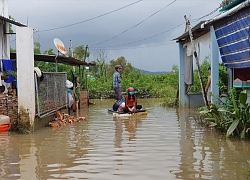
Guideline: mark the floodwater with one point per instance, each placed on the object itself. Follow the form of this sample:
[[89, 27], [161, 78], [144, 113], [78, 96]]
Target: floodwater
[[164, 145]]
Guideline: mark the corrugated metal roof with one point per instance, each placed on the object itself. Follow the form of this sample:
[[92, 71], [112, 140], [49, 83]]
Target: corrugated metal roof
[[12, 21], [59, 59], [229, 12], [196, 30]]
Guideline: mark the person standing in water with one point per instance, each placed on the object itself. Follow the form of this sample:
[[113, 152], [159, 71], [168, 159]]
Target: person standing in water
[[117, 83], [76, 93], [208, 87]]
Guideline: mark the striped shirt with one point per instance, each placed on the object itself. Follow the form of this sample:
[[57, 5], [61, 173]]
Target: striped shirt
[[116, 80]]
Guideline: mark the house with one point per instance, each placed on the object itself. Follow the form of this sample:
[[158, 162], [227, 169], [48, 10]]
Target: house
[[228, 37], [28, 101]]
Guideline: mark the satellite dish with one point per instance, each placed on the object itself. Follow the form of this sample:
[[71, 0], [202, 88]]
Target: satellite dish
[[60, 46]]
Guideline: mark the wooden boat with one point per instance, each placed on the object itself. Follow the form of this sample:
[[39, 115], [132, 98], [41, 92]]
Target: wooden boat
[[141, 112]]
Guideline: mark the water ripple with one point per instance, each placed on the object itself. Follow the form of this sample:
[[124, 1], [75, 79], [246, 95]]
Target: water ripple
[[165, 144]]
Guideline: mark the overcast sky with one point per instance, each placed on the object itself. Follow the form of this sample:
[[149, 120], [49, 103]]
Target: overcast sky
[[140, 30]]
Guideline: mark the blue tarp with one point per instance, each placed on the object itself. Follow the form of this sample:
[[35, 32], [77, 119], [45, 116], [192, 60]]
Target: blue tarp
[[233, 37], [8, 66]]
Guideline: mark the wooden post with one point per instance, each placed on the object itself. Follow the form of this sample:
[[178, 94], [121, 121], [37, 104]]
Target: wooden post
[[197, 61]]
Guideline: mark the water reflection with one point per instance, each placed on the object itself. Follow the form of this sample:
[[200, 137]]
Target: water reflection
[[207, 154], [125, 129], [129, 124], [8, 157], [165, 144]]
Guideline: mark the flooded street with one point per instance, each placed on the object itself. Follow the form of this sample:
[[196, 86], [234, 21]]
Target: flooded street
[[164, 145]]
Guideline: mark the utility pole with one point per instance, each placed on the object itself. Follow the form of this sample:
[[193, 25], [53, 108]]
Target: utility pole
[[86, 51], [71, 48], [72, 54], [197, 60]]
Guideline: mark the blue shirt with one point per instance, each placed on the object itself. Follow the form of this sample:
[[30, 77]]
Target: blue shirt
[[69, 91], [116, 80]]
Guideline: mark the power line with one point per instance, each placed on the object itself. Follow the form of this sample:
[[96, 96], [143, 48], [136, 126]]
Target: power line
[[107, 47], [91, 18], [197, 19], [138, 47], [136, 24], [215, 10], [142, 39]]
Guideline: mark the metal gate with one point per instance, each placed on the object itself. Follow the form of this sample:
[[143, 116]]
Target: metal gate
[[51, 93]]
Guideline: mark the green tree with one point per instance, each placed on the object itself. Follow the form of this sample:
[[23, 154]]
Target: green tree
[[100, 70], [50, 51], [10, 25], [81, 53], [37, 48], [126, 67], [12, 50], [204, 68], [223, 76]]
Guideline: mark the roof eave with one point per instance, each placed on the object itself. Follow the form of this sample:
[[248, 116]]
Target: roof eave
[[12, 21], [197, 31], [228, 13], [59, 59]]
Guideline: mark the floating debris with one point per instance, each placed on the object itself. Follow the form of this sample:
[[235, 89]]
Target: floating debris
[[63, 119]]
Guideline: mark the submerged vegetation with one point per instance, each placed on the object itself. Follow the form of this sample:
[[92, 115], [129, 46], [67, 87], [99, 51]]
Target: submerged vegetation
[[231, 116]]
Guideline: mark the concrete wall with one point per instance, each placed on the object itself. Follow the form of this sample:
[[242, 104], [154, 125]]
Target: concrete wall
[[25, 74], [40, 123], [195, 100], [83, 99]]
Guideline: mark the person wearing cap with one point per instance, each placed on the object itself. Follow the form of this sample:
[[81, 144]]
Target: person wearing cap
[[117, 82]]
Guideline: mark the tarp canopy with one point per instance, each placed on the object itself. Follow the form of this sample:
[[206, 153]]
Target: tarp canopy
[[233, 37]]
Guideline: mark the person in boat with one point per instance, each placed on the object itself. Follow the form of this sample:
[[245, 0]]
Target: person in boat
[[121, 107], [131, 101], [117, 83]]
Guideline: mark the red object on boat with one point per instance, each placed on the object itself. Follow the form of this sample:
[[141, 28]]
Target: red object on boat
[[5, 127]]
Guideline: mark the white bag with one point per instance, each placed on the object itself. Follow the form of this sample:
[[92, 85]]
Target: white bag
[[69, 84]]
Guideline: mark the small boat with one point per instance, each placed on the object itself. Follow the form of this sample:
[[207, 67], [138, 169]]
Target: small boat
[[5, 127], [4, 123], [141, 112]]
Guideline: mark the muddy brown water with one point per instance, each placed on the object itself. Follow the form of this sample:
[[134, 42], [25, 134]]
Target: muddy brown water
[[164, 145]]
